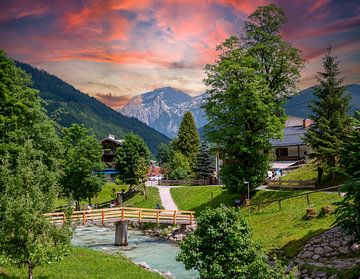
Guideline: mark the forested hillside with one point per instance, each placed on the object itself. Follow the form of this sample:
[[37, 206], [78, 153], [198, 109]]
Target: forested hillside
[[76, 107]]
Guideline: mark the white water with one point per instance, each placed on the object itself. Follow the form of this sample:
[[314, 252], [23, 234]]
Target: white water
[[157, 253]]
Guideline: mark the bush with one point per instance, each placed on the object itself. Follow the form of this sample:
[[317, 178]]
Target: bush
[[221, 247]]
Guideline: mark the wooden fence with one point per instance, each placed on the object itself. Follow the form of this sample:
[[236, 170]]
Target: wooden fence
[[306, 195], [197, 182], [291, 184], [140, 215]]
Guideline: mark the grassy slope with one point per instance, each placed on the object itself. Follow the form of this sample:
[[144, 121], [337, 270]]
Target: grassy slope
[[306, 172], [199, 197], [106, 195], [272, 227], [84, 264]]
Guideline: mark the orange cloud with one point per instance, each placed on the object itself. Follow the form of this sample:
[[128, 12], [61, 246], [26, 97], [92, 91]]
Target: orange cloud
[[113, 101]]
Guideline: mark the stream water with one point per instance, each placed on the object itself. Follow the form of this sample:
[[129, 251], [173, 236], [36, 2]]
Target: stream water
[[157, 253]]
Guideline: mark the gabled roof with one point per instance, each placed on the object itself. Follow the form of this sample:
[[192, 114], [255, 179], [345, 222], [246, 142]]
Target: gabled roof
[[293, 135], [116, 141]]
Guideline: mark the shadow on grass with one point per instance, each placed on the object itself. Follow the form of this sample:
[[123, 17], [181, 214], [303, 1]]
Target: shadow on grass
[[4, 275], [292, 248]]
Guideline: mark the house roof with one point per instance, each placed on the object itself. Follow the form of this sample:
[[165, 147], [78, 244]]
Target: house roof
[[293, 135], [116, 141]]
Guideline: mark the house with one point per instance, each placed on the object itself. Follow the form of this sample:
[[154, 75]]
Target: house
[[292, 147], [109, 147]]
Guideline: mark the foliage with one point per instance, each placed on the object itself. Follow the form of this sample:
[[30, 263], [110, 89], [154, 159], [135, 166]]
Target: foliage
[[28, 190], [164, 153], [280, 63], [204, 164], [82, 156], [179, 166], [348, 210], [86, 264], [188, 139], [331, 122], [80, 108], [22, 116], [132, 160], [221, 247], [242, 116]]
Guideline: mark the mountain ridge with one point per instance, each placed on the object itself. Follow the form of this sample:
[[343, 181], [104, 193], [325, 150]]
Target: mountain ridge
[[83, 109]]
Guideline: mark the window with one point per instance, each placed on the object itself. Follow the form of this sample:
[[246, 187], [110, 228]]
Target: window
[[282, 152]]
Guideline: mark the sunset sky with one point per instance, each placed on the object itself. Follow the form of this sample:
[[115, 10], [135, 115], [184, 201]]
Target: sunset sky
[[116, 49]]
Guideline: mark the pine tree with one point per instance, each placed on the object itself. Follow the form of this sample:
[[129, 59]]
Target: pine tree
[[331, 121], [188, 139], [204, 166]]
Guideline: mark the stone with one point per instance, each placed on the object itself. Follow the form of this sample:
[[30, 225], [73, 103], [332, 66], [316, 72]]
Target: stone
[[319, 250], [316, 257], [307, 255], [344, 250], [179, 237], [144, 265], [334, 276], [355, 247], [335, 244]]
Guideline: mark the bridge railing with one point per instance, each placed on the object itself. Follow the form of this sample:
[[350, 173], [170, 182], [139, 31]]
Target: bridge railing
[[126, 214]]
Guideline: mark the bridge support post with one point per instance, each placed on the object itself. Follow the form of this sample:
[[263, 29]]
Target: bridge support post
[[121, 233]]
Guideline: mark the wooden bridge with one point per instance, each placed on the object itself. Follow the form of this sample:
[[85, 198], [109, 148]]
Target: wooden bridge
[[112, 215]]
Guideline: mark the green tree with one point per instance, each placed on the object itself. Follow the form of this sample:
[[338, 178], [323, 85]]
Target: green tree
[[164, 153], [204, 166], [348, 210], [82, 156], [331, 121], [22, 116], [221, 247], [179, 166], [132, 161], [242, 114], [280, 63], [28, 190], [188, 139]]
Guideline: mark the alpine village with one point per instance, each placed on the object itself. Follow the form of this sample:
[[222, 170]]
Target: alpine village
[[240, 160]]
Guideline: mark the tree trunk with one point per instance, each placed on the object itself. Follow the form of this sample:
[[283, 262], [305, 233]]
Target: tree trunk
[[320, 172], [145, 191], [30, 270], [89, 199], [77, 206]]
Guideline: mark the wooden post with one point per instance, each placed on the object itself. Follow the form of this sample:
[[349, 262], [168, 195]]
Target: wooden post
[[122, 214], [121, 233], [339, 194], [84, 218], [191, 218], [308, 199], [102, 217], [158, 217], [174, 217], [64, 218], [279, 204], [140, 219]]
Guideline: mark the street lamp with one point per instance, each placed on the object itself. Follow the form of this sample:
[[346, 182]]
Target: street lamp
[[248, 188]]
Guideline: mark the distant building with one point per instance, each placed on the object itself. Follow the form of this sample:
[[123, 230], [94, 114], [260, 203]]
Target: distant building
[[292, 147], [109, 147]]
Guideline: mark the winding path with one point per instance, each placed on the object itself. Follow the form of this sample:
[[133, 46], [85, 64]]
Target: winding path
[[165, 196]]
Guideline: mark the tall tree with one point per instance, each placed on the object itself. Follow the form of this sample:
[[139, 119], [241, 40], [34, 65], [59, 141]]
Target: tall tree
[[242, 116], [22, 116], [280, 63], [132, 161], [82, 156], [330, 116], [204, 166], [28, 190], [221, 247], [188, 139]]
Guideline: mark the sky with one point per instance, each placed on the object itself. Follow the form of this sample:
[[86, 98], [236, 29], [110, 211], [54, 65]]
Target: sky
[[114, 50]]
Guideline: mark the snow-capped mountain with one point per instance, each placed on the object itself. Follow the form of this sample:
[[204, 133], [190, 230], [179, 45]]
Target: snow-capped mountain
[[163, 109]]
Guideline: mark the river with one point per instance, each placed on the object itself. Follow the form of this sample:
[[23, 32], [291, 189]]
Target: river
[[157, 253]]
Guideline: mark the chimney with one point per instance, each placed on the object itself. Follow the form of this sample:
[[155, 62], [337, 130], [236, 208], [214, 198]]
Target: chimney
[[307, 122], [111, 137]]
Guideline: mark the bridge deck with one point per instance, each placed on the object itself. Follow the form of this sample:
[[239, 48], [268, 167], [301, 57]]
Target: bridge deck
[[110, 215]]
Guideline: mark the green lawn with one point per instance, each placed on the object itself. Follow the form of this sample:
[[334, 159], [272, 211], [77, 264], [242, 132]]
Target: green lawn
[[84, 264], [274, 228], [197, 198], [305, 172], [106, 195]]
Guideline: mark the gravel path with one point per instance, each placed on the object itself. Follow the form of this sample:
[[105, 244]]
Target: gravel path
[[165, 196]]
